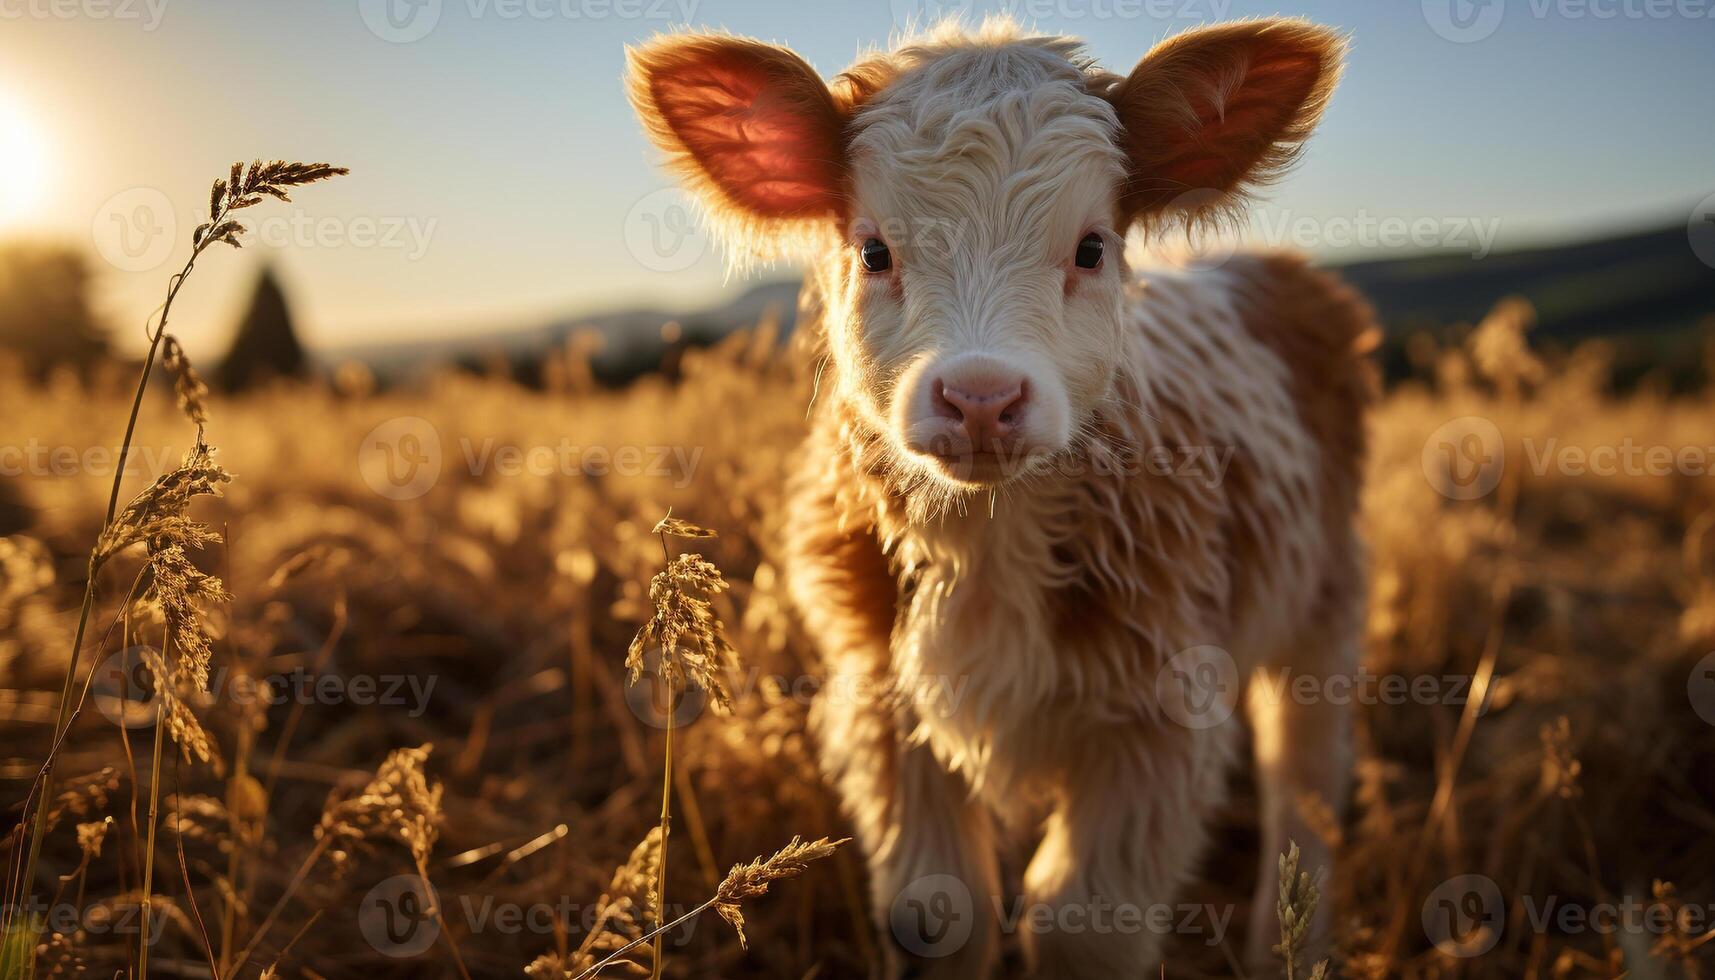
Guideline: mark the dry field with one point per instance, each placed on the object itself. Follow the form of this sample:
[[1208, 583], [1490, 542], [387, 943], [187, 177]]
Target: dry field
[[490, 617]]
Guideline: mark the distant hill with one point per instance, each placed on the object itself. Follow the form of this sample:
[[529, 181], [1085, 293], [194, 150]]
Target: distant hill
[[1648, 282], [631, 339], [1648, 290]]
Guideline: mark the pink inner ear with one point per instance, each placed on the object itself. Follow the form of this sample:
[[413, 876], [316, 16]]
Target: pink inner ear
[[1231, 137], [1224, 109], [762, 127]]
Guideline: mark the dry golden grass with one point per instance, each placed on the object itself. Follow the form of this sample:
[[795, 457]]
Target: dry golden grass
[[1587, 599]]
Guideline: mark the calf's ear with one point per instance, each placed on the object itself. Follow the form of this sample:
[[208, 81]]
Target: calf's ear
[[748, 127], [1213, 113]]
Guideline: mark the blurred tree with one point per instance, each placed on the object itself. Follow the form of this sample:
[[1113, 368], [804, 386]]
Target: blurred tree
[[46, 314], [267, 344]]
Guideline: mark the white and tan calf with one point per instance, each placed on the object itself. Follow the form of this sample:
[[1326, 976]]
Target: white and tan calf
[[1047, 498]]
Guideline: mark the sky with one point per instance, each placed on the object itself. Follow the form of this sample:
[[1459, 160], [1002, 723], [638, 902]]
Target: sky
[[499, 179]]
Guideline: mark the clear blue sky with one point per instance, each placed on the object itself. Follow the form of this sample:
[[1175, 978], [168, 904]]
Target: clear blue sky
[[499, 154]]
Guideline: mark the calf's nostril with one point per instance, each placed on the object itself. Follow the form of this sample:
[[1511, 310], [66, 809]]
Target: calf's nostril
[[945, 407], [986, 411]]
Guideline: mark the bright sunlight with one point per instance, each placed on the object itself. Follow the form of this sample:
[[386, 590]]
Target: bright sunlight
[[23, 164]]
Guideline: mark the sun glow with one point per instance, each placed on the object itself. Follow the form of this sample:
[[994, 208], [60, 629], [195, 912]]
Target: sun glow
[[23, 164]]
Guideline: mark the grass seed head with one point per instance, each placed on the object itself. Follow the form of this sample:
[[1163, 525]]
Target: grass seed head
[[399, 802], [752, 879], [91, 835], [85, 795], [683, 626]]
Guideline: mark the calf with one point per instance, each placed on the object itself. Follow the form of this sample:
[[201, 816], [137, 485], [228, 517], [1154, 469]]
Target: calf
[[1057, 509]]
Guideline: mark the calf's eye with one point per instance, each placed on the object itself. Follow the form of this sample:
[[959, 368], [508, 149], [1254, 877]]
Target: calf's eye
[[1089, 252], [875, 256]]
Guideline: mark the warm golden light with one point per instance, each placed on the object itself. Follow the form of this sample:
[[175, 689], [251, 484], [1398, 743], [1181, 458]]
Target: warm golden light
[[23, 164]]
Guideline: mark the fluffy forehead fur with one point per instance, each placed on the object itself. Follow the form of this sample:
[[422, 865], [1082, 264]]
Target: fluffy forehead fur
[[997, 136], [981, 162]]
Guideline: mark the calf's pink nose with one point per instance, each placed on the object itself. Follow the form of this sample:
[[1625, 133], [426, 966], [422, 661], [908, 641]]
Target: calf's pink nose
[[989, 411]]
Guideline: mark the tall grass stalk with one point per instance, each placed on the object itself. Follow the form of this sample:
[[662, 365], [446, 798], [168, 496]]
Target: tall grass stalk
[[244, 190], [693, 647], [666, 821], [154, 822], [743, 881]]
